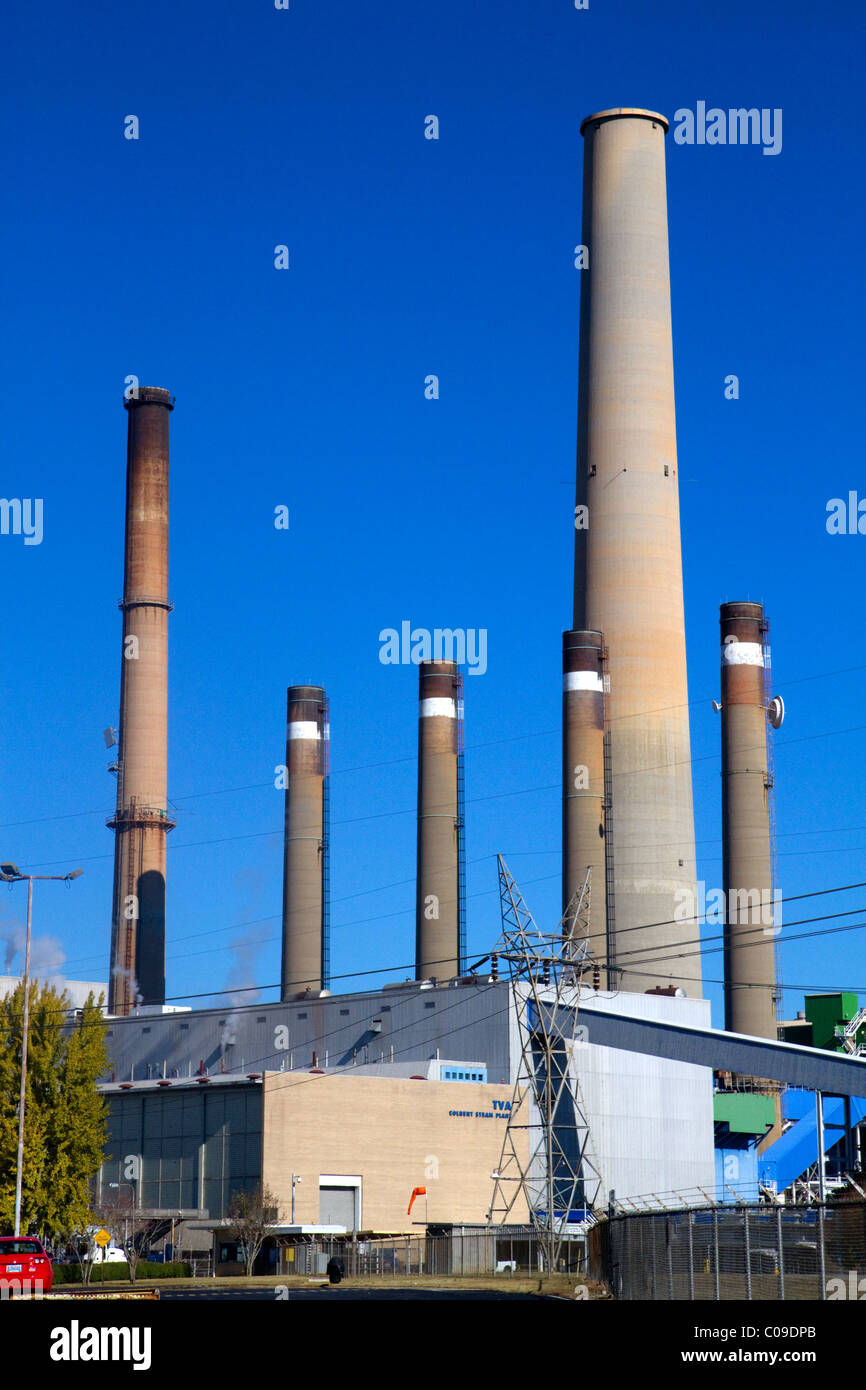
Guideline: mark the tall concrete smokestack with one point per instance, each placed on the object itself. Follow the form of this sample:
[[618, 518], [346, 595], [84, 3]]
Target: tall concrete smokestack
[[439, 889], [583, 781], [750, 972], [141, 821], [628, 564], [305, 864]]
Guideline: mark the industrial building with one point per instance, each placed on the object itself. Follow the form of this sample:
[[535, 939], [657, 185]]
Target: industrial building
[[77, 991], [345, 1105], [365, 1097]]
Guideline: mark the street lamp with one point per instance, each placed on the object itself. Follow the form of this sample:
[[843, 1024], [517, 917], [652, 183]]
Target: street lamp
[[10, 873], [131, 1187], [295, 1181]]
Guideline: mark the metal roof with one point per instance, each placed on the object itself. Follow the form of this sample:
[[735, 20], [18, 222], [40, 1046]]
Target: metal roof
[[811, 1068]]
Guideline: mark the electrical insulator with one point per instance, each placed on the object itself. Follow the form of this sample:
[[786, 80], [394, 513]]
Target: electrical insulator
[[494, 967], [596, 977]]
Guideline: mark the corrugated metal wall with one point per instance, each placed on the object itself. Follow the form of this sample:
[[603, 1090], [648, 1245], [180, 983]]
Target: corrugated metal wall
[[462, 1022]]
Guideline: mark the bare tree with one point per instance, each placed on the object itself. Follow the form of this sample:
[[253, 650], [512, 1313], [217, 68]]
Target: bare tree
[[250, 1215], [83, 1246], [129, 1228]]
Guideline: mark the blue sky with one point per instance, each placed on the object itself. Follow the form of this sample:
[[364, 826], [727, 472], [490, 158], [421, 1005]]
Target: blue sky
[[305, 388]]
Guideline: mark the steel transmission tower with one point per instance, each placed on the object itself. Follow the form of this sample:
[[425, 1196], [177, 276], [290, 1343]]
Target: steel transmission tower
[[552, 1166]]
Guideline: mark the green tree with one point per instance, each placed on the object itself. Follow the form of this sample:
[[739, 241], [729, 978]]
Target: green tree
[[65, 1119]]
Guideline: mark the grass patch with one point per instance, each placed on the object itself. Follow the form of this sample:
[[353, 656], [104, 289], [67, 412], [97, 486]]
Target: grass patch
[[557, 1285]]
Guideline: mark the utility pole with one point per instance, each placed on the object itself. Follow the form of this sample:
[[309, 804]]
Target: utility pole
[[10, 873]]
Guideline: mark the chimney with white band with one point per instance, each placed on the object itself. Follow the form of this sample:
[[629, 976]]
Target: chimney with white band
[[749, 938], [583, 789], [305, 861], [437, 910]]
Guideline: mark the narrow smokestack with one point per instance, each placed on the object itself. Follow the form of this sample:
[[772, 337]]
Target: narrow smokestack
[[583, 783], [305, 863], [141, 821], [750, 973], [628, 564], [439, 889]]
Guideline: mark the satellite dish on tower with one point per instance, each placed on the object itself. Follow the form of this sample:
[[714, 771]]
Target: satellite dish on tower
[[776, 711], [717, 707]]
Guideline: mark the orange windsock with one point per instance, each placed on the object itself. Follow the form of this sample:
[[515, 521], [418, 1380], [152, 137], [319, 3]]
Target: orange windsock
[[416, 1192]]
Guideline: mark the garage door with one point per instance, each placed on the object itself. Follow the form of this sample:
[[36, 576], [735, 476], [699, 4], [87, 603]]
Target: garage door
[[337, 1206]]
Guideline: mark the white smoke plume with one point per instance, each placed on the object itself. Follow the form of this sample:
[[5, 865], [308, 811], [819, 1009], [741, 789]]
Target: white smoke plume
[[228, 1033], [46, 957], [120, 973], [46, 954], [12, 939], [245, 948]]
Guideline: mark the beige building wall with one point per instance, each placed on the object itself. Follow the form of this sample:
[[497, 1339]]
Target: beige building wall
[[394, 1135]]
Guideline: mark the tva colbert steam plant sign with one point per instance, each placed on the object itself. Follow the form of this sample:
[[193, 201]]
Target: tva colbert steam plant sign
[[501, 1110]]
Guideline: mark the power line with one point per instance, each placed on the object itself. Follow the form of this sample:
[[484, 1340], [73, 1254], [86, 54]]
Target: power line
[[655, 961], [490, 743], [800, 936], [714, 950], [248, 989], [487, 892], [742, 933], [494, 796], [699, 917]]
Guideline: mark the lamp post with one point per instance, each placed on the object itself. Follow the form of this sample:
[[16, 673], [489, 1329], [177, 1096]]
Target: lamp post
[[295, 1181], [131, 1187], [10, 873]]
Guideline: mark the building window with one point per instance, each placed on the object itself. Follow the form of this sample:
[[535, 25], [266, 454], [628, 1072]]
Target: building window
[[462, 1074]]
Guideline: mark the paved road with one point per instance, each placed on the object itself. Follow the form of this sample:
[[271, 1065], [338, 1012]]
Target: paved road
[[346, 1291]]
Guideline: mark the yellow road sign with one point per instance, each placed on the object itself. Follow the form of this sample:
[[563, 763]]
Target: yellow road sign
[[102, 1237]]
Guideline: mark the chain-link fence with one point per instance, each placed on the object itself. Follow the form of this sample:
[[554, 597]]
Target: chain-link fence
[[462, 1251], [744, 1252]]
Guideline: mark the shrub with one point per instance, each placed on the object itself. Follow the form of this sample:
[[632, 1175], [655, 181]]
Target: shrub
[[71, 1273]]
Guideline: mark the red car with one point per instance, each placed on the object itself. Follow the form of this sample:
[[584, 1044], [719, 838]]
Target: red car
[[24, 1264]]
